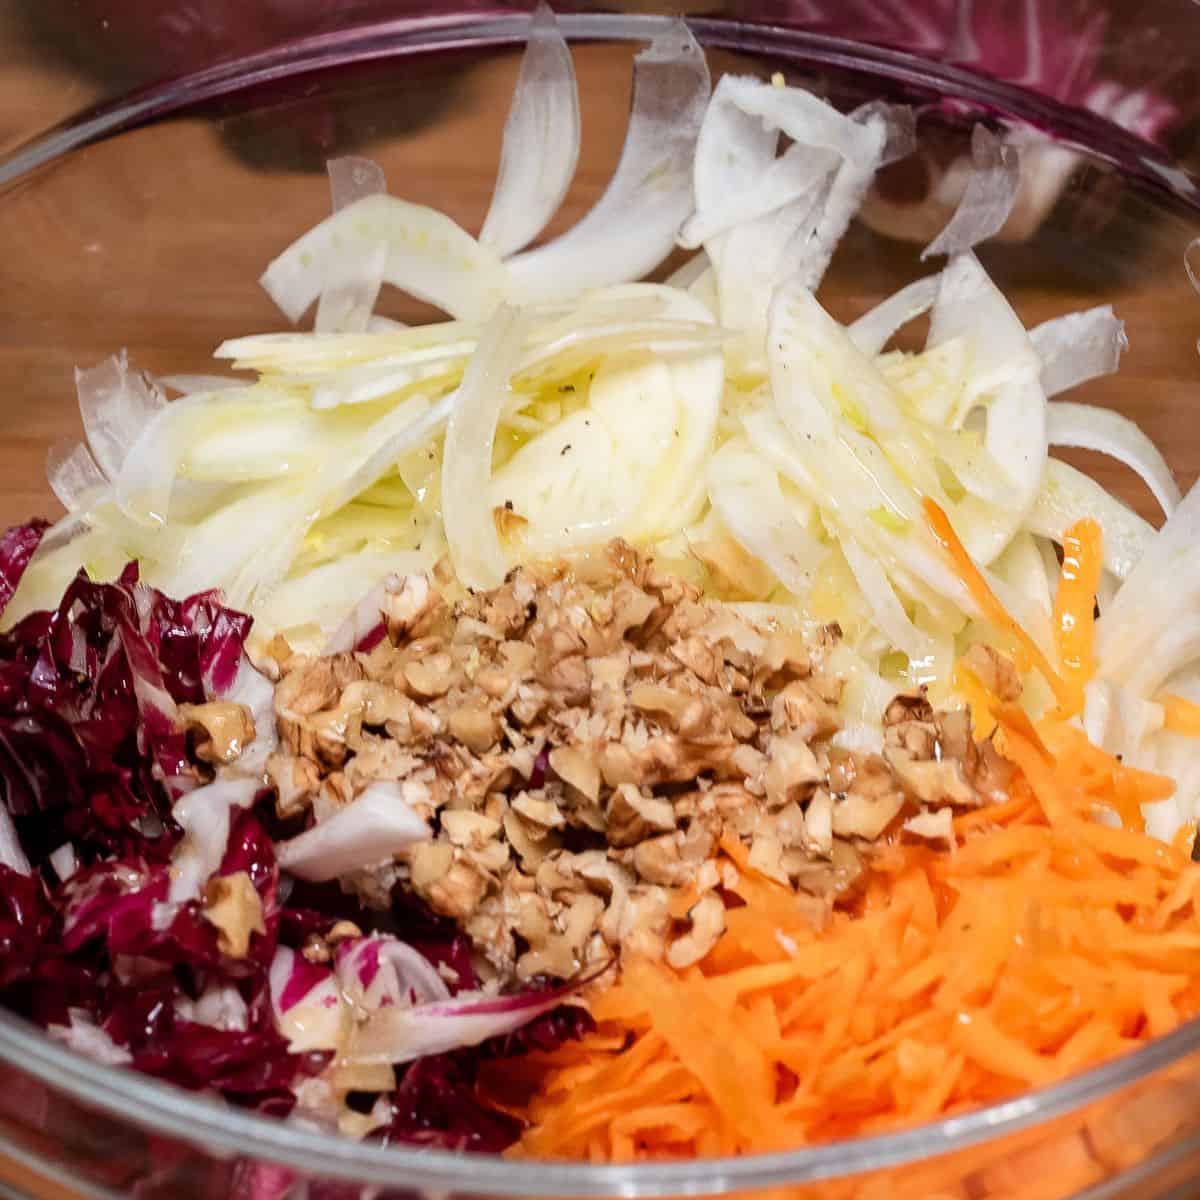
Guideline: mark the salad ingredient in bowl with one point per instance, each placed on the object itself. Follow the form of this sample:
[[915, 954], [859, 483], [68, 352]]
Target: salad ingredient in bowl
[[623, 719]]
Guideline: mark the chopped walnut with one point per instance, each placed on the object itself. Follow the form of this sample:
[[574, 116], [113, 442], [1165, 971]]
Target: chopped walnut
[[634, 816], [581, 740], [708, 923], [872, 803], [220, 729], [994, 671], [232, 904], [935, 826], [296, 782]]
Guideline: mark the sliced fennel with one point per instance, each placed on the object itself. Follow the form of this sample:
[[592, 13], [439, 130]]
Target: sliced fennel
[[745, 492], [628, 463], [427, 255]]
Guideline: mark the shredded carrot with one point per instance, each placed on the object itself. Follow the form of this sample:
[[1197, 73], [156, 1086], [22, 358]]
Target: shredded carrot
[[979, 700], [1024, 649], [1180, 715], [1185, 838], [1046, 942], [1075, 606]]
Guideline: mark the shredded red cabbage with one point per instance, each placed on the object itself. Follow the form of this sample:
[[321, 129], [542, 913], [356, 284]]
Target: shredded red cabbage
[[92, 756]]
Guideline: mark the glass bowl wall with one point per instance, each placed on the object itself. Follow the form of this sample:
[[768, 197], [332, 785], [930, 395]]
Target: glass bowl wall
[[146, 224]]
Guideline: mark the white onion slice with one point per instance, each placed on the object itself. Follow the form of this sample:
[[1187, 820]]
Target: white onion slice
[[799, 172], [808, 120], [255, 691], [746, 494], [1079, 346], [1004, 377], [467, 457], [734, 147], [428, 256], [1177, 648], [352, 179], [899, 125], [768, 220], [307, 1003], [317, 609], [64, 860], [350, 293], [394, 1034], [886, 610], [368, 831], [1088, 427], [74, 476], [115, 405], [1161, 592], [541, 140], [186, 385], [1068, 495], [874, 329], [382, 971], [306, 355], [988, 199], [689, 273], [347, 300], [11, 853], [632, 227], [844, 199], [385, 376], [204, 816]]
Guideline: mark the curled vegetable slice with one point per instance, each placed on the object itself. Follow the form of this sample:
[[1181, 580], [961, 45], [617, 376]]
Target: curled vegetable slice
[[428, 256], [1090, 428], [653, 179], [988, 199], [467, 458], [541, 140]]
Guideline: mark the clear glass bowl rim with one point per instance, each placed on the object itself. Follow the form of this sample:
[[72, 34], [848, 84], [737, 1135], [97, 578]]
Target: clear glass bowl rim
[[227, 1132]]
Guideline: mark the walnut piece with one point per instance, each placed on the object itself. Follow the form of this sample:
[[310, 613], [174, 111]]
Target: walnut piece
[[219, 729], [233, 905], [582, 739], [708, 923]]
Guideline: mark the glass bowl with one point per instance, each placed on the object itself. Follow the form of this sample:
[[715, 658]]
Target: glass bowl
[[145, 222]]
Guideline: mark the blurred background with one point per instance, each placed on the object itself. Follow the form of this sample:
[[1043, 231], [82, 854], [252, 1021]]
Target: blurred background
[[1134, 63]]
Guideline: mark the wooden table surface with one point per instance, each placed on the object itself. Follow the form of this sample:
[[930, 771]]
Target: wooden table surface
[[154, 241]]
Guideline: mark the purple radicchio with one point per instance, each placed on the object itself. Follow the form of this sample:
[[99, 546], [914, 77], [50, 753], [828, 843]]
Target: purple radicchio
[[114, 847]]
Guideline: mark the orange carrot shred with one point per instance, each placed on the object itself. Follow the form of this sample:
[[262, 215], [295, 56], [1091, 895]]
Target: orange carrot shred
[[1185, 838], [1023, 647], [1047, 942], [1180, 715]]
